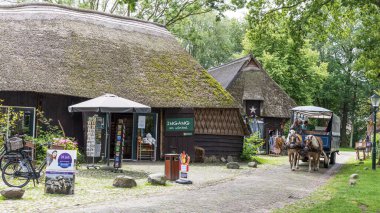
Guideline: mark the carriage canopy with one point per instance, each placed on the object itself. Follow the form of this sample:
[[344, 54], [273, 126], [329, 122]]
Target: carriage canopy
[[307, 112]]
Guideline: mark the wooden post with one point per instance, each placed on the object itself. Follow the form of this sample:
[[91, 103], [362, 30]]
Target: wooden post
[[161, 132], [63, 131]]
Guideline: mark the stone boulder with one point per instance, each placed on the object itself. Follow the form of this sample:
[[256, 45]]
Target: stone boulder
[[211, 159], [352, 182], [123, 181], [13, 193], [252, 164], [223, 160], [157, 179], [354, 176], [233, 165]]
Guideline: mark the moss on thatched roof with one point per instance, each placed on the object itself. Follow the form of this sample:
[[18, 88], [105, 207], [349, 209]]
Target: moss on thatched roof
[[246, 79], [54, 49]]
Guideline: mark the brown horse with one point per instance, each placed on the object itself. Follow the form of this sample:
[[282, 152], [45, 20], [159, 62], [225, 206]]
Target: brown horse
[[294, 146], [314, 149]]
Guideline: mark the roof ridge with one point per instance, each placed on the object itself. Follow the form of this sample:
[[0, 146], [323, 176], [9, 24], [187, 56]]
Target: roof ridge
[[229, 63], [20, 5]]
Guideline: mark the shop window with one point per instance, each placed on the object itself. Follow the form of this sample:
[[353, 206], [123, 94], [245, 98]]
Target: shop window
[[17, 121]]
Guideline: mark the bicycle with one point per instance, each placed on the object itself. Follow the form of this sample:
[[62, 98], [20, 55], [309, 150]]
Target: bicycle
[[6, 155], [18, 173]]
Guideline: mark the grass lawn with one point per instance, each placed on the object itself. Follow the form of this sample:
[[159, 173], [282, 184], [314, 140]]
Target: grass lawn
[[346, 149], [270, 160], [338, 196]]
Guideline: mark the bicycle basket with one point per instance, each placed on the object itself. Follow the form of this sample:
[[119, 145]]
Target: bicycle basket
[[14, 144]]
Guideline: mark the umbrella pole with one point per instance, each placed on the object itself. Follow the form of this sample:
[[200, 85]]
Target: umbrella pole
[[8, 115], [108, 138]]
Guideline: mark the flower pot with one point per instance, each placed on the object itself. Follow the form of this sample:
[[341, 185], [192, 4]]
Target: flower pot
[[57, 147]]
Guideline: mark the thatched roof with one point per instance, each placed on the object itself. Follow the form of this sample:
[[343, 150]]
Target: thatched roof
[[246, 79], [55, 49]]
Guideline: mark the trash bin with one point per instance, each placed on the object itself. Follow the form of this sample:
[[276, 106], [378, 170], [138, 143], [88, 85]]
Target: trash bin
[[171, 166]]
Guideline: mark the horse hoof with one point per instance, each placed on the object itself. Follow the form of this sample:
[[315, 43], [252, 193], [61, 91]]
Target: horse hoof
[[293, 169], [297, 168]]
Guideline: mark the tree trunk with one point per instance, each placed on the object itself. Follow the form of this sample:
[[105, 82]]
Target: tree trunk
[[353, 115], [343, 128], [129, 10]]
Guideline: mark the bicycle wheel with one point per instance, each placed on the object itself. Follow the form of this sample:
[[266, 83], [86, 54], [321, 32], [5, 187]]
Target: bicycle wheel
[[2, 162], [8, 157], [14, 175]]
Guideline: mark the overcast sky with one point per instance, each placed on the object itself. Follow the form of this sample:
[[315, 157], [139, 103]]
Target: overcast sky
[[238, 14]]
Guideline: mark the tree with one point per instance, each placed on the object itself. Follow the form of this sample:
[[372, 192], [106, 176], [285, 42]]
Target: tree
[[294, 66], [166, 12], [209, 40], [339, 31]]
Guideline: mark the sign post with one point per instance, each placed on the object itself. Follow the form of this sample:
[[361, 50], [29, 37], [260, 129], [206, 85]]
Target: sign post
[[60, 171]]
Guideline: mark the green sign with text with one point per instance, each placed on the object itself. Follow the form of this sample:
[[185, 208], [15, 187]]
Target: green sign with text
[[180, 124]]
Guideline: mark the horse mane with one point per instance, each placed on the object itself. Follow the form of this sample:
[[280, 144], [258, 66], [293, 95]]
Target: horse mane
[[315, 142]]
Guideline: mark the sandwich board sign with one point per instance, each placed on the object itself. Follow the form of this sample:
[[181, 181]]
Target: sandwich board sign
[[60, 171]]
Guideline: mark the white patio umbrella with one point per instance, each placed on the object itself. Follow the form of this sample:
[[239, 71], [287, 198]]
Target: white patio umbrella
[[108, 104]]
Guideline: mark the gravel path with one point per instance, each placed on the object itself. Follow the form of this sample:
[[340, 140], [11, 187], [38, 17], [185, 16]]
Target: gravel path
[[260, 190]]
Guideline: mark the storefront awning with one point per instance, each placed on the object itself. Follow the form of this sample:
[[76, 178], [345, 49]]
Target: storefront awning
[[110, 103]]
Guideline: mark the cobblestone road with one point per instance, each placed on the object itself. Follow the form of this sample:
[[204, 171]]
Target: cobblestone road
[[260, 190]]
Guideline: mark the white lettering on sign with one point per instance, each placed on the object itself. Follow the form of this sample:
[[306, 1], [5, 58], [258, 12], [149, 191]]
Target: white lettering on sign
[[176, 123]]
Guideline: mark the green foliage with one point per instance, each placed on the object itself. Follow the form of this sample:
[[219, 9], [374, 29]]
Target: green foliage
[[250, 146], [45, 132], [9, 121], [295, 67], [339, 196], [209, 40], [174, 11], [321, 52], [166, 12], [270, 160], [49, 133]]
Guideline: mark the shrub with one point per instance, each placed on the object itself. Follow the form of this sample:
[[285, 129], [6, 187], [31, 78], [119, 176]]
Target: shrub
[[250, 146]]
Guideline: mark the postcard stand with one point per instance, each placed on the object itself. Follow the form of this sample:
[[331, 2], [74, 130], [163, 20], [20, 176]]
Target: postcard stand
[[94, 126]]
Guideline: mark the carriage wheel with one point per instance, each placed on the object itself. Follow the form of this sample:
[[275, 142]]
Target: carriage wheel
[[326, 161], [333, 158]]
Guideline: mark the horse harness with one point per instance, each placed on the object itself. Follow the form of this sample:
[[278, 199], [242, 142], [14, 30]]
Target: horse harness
[[310, 148], [293, 142]]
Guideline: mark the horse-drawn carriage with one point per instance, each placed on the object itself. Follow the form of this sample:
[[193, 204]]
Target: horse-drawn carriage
[[321, 123]]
